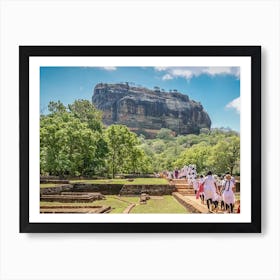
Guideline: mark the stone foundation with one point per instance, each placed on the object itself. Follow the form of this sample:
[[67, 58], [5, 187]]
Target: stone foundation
[[132, 190], [56, 190], [72, 197], [74, 209], [112, 189], [106, 189]]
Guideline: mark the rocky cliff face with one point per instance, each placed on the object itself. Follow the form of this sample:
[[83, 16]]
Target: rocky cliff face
[[147, 111]]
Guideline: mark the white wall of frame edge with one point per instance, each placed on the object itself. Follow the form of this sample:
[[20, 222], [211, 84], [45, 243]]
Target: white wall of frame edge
[[34, 135], [138, 256]]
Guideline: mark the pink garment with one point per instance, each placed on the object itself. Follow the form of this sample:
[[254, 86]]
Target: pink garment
[[200, 190]]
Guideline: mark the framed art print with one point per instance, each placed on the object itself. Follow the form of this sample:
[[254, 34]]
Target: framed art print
[[140, 138]]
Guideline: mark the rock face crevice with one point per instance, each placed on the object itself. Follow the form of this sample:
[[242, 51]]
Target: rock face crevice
[[146, 110]]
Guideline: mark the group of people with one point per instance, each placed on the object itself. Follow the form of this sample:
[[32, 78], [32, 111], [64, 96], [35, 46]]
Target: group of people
[[188, 171], [216, 191]]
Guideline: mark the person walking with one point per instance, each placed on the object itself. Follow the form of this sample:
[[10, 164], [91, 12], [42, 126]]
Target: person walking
[[195, 184], [200, 192], [228, 194], [210, 188], [176, 173]]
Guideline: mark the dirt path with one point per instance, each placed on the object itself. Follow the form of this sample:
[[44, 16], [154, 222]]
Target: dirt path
[[129, 208]]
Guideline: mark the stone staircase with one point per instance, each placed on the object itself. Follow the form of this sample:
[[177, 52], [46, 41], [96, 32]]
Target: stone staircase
[[183, 187], [191, 203]]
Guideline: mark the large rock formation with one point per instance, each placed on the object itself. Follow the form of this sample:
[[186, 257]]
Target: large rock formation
[[147, 111]]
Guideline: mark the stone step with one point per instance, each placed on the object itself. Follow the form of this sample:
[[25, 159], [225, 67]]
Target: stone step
[[186, 191], [183, 186], [76, 197], [74, 209], [179, 181], [189, 203]]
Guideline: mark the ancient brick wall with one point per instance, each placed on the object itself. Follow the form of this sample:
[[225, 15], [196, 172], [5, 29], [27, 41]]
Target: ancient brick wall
[[130, 190], [56, 190], [113, 189]]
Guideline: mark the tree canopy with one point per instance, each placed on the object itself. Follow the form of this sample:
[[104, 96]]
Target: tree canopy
[[74, 141], [69, 142], [124, 155]]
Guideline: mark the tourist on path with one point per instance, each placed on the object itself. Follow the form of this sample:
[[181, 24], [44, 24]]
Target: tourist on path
[[195, 184], [176, 173], [217, 198], [228, 194], [200, 192], [169, 175], [210, 188]]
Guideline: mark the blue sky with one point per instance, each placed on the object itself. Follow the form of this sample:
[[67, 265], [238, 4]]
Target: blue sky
[[217, 88]]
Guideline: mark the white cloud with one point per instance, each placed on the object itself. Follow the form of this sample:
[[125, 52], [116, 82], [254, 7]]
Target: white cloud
[[109, 68], [234, 104], [190, 72], [213, 71], [185, 73], [160, 68], [167, 77]]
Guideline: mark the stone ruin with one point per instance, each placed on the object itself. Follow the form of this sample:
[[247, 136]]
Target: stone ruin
[[143, 198], [85, 193], [74, 209], [156, 190], [72, 197], [65, 194]]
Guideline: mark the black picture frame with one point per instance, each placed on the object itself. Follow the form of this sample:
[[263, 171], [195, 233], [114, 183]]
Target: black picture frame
[[254, 52]]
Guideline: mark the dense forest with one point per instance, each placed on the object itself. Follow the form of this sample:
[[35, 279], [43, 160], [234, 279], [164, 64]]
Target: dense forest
[[73, 141]]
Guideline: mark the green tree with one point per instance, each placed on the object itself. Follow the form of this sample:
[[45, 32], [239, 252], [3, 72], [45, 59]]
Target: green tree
[[158, 146], [204, 130], [197, 154], [165, 134], [69, 144], [225, 155], [56, 107], [86, 112], [121, 143], [138, 162]]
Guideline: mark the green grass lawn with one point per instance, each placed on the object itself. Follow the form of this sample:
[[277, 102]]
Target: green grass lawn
[[166, 205], [111, 200], [101, 181], [50, 185], [136, 181]]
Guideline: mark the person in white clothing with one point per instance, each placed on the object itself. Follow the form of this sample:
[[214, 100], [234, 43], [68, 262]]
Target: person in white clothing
[[231, 178], [169, 175], [216, 200], [210, 188], [228, 194], [188, 174], [222, 188], [195, 184]]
